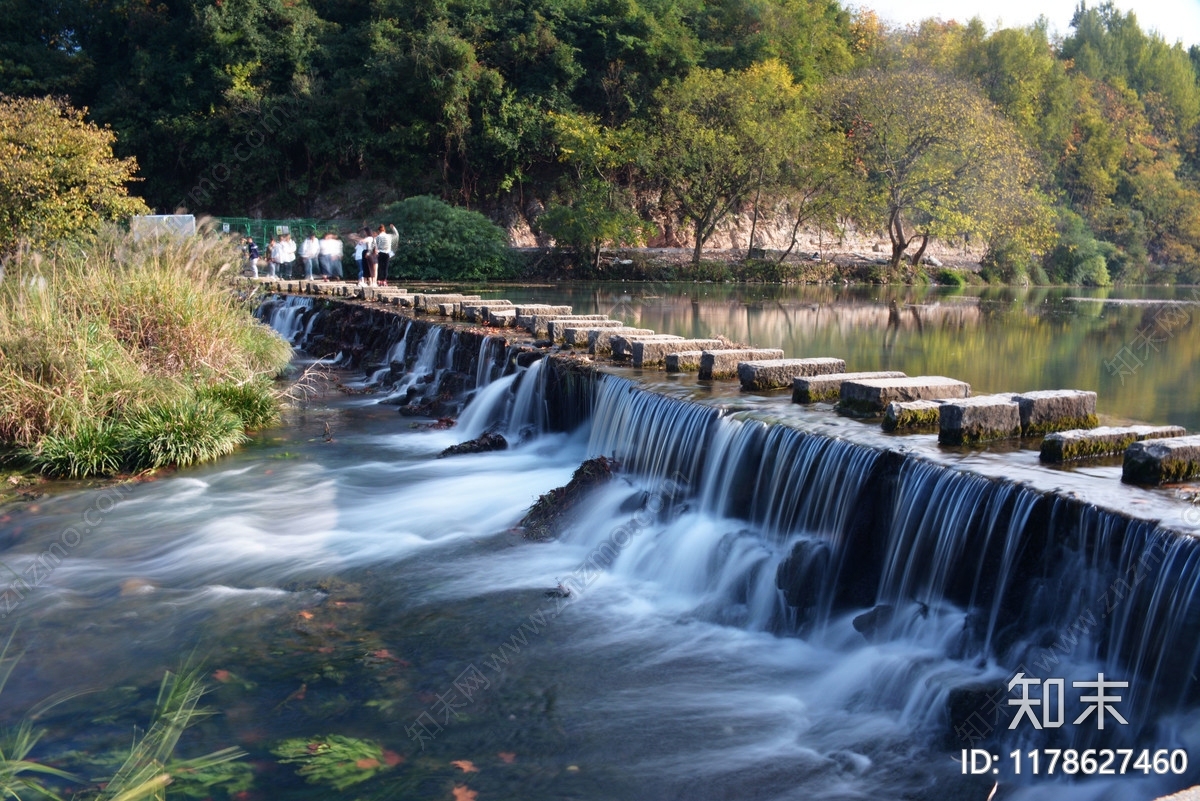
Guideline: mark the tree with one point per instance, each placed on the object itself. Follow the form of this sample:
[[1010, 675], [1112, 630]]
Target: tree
[[58, 174], [440, 242], [716, 136], [935, 160], [598, 211]]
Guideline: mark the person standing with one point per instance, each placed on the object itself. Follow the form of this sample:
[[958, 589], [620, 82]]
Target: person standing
[[384, 248], [358, 258], [252, 256], [331, 257], [310, 252], [287, 256], [370, 258], [273, 258]]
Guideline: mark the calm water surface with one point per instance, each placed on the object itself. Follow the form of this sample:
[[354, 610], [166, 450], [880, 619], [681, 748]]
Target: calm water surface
[[1142, 358]]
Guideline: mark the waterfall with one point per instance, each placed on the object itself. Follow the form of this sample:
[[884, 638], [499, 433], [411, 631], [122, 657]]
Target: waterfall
[[424, 366], [528, 413], [287, 316], [485, 362]]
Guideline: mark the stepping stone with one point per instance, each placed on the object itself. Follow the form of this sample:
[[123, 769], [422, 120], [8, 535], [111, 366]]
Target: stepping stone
[[687, 361], [779, 373], [600, 339], [500, 318], [653, 353], [530, 309], [622, 346], [1162, 461], [723, 363], [429, 303], [912, 416], [828, 388], [538, 324], [557, 329], [1056, 410], [474, 311], [979, 419], [870, 396], [1067, 446], [580, 335]]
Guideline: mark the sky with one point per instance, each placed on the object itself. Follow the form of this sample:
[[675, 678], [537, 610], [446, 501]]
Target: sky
[[1173, 19]]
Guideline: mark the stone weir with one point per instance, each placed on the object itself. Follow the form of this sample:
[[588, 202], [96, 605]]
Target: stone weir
[[997, 572]]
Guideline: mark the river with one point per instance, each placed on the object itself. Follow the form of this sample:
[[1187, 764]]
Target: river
[[336, 578]]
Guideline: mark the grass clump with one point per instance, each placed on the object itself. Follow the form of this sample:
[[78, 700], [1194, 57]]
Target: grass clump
[[182, 432], [118, 354]]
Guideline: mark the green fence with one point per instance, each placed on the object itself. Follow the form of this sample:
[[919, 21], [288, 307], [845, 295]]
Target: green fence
[[263, 231]]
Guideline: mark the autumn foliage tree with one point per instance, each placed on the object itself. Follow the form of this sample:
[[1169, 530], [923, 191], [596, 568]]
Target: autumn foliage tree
[[934, 159], [58, 175]]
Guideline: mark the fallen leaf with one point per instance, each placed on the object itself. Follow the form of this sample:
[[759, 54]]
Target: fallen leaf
[[392, 759], [464, 793], [507, 757], [268, 472], [465, 765], [298, 695], [221, 675], [307, 615], [367, 764]]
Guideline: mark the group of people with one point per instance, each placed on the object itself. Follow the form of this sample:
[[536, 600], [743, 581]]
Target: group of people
[[373, 251]]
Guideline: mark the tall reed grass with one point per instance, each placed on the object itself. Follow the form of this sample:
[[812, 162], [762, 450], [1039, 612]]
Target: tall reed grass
[[121, 355]]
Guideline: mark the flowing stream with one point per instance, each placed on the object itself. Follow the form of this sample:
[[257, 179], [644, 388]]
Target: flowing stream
[[336, 577]]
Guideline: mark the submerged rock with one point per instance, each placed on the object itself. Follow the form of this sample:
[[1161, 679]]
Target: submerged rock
[[488, 442], [546, 517]]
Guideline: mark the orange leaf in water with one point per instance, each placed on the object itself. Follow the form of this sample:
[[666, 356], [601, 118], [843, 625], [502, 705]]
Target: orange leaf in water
[[464, 793], [465, 765], [221, 675], [392, 759], [367, 764], [507, 757], [307, 615]]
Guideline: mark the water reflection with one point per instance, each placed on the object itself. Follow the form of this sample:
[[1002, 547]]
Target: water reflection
[[1140, 357]]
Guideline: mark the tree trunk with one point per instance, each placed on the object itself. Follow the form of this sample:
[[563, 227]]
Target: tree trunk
[[754, 224], [920, 254], [899, 242], [699, 246]]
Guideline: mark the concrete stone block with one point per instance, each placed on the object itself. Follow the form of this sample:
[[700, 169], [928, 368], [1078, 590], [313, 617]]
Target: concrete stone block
[[828, 388], [1162, 461], [1067, 446], [870, 396], [723, 362], [653, 353], [600, 339], [1045, 411], [779, 373], [984, 418], [912, 416]]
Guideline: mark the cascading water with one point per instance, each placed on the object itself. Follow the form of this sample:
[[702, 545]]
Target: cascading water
[[287, 316], [424, 368], [761, 612]]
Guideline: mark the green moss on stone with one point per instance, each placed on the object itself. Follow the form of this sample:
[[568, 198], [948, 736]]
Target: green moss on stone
[[913, 419], [1061, 424]]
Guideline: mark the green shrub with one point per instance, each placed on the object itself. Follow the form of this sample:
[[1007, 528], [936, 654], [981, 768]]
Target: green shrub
[[183, 432], [252, 402], [949, 277], [1079, 258], [440, 242], [94, 448]]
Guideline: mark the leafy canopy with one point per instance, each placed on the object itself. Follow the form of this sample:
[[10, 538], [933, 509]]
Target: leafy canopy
[[58, 175]]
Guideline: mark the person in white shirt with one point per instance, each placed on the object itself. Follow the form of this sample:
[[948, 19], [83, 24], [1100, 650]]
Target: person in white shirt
[[331, 257], [384, 250], [370, 258], [273, 254], [287, 255], [310, 252]]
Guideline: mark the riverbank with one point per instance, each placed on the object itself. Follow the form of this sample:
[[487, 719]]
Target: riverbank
[[119, 355]]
